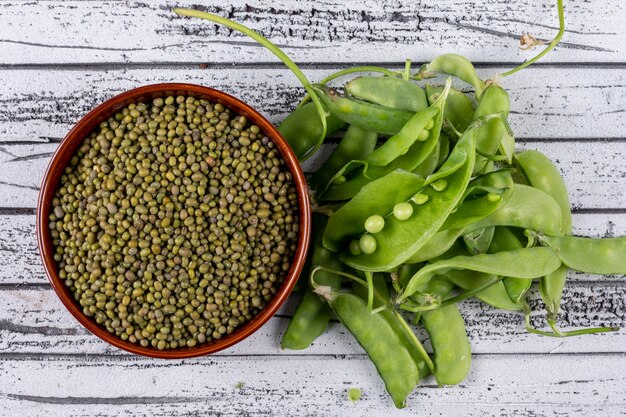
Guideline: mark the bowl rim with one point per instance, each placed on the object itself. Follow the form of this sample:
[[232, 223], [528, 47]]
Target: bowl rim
[[80, 132]]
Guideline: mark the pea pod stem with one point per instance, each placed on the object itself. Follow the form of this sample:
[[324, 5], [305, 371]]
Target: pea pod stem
[[409, 333], [272, 48], [452, 300], [558, 333], [555, 41]]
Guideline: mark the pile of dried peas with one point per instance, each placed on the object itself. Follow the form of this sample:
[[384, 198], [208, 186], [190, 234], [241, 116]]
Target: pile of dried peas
[[424, 203]]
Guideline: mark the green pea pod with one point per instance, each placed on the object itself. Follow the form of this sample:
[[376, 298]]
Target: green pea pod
[[429, 165], [494, 101], [472, 211], [523, 206], [505, 240], [367, 116], [392, 92], [448, 338], [382, 297], [593, 256], [495, 295], [356, 174], [455, 65], [378, 197], [444, 148], [522, 263], [424, 124], [458, 110], [478, 241], [541, 173], [302, 129], [312, 315], [399, 239], [356, 144], [381, 343]]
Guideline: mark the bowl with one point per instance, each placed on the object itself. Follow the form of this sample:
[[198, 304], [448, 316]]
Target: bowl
[[83, 129]]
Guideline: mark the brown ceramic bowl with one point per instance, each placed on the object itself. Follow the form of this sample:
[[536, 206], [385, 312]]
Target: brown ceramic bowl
[[83, 129]]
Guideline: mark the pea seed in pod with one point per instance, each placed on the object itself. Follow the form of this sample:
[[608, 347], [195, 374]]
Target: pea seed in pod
[[402, 211], [175, 222], [375, 223]]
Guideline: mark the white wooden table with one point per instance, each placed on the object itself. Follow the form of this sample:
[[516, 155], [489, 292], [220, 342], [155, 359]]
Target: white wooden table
[[58, 59]]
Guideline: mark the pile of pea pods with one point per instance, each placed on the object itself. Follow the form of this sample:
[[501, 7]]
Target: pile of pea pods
[[423, 203]]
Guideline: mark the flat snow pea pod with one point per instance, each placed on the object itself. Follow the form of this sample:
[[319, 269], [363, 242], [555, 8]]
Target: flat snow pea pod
[[494, 101], [542, 174], [444, 148], [448, 338], [455, 65], [478, 241], [392, 92], [378, 197], [401, 238], [505, 240], [429, 165], [496, 295], [593, 256], [381, 343], [458, 110], [302, 129], [367, 116], [357, 174], [424, 124], [312, 315], [523, 263], [356, 144]]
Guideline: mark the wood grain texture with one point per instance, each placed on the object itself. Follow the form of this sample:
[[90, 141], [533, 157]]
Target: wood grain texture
[[33, 321], [38, 104], [312, 31], [498, 385]]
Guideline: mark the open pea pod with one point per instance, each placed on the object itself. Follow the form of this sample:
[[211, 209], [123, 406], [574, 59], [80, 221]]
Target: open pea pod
[[523, 263], [594, 256], [423, 125], [523, 206], [399, 239], [392, 92], [377, 197], [367, 116], [458, 110]]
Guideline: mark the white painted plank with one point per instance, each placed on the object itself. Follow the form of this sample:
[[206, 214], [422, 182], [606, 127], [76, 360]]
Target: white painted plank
[[34, 321], [502, 385], [20, 263], [62, 32], [546, 102]]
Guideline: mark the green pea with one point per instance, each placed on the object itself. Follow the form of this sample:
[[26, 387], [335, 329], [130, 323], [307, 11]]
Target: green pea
[[374, 224], [402, 211], [367, 244]]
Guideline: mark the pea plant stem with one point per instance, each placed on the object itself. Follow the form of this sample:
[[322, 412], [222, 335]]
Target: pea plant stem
[[273, 49], [550, 47]]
